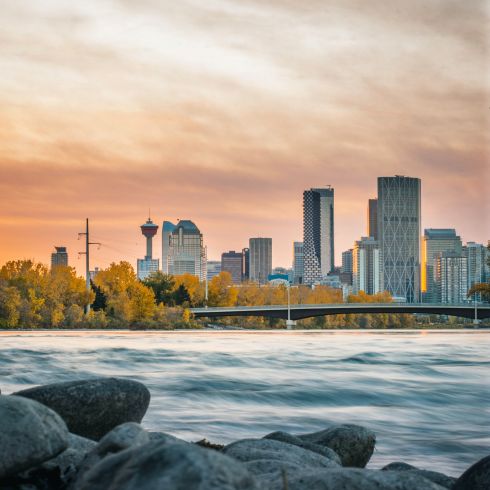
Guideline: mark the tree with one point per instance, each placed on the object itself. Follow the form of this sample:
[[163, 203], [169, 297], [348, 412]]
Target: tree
[[194, 288], [162, 286], [181, 296], [10, 302], [100, 301], [142, 302], [221, 290]]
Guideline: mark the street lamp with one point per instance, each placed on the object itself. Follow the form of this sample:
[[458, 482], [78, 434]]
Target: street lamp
[[289, 323]]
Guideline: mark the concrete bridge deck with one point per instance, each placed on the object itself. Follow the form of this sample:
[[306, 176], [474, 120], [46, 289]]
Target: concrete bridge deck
[[298, 312]]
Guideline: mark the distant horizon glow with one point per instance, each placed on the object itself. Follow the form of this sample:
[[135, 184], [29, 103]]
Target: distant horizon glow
[[223, 113]]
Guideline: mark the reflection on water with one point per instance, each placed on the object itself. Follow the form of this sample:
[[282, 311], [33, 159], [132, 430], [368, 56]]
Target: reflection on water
[[426, 395]]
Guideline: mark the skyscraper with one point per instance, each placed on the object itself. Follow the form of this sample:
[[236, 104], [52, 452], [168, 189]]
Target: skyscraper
[[232, 262], [186, 253], [298, 262], [451, 277], [318, 234], [366, 266], [147, 265], [347, 261], [245, 264], [60, 257], [435, 241], [399, 235], [260, 259], [476, 254], [167, 229], [372, 224], [213, 268]]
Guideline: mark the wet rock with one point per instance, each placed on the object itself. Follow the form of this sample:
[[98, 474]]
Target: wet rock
[[118, 439], [91, 408], [476, 477], [353, 443], [434, 476], [30, 433], [398, 466], [269, 459], [162, 464], [296, 441], [163, 436], [70, 460], [354, 479]]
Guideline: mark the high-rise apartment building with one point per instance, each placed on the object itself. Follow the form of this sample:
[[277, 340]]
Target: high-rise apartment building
[[366, 266], [298, 262], [372, 222], [347, 261], [213, 268], [476, 253], [245, 264], [232, 262], [318, 234], [399, 235], [60, 257], [167, 229], [435, 242], [186, 251], [451, 277], [146, 266], [260, 259]]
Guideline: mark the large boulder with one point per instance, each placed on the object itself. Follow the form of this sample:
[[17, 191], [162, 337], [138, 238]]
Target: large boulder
[[296, 441], [434, 476], [353, 443], [91, 408], [354, 479], [164, 464], [30, 433], [476, 477]]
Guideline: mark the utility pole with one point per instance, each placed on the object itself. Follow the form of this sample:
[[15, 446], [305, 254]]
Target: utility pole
[[476, 322], [87, 258]]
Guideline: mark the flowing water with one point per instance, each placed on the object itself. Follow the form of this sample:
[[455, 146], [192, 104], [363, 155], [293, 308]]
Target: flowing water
[[426, 394]]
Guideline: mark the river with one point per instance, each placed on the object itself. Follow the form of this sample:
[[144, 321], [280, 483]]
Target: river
[[426, 394]]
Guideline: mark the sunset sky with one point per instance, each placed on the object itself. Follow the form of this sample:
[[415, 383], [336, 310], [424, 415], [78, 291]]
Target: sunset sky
[[224, 111]]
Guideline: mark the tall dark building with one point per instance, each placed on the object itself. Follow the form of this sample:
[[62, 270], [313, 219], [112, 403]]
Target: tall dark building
[[232, 262], [399, 235], [60, 257], [260, 259], [372, 225], [318, 234]]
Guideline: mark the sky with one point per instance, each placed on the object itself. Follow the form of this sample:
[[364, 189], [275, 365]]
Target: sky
[[224, 111]]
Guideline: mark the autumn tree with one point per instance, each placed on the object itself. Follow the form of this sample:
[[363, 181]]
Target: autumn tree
[[222, 292]]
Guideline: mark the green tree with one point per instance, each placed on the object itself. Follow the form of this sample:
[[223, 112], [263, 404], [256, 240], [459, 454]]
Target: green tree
[[162, 286], [181, 296]]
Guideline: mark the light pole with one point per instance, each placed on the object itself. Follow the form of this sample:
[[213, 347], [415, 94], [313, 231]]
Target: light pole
[[476, 322], [289, 323], [206, 278]]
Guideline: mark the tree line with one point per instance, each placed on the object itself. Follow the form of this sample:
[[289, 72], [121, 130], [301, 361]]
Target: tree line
[[34, 296]]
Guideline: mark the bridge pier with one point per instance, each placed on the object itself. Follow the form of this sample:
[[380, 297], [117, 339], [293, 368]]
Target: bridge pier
[[290, 324]]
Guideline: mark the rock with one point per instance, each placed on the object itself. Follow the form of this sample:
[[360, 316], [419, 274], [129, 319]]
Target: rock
[[439, 478], [476, 477], [296, 441], [30, 433], [269, 459], [355, 479], [172, 465], [398, 466], [163, 436], [122, 437], [91, 408], [70, 460], [353, 443]]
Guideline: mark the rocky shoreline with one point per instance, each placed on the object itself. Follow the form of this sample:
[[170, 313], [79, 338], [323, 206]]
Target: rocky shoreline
[[86, 435]]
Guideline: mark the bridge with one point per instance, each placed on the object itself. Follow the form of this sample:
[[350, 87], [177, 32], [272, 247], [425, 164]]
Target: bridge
[[298, 312]]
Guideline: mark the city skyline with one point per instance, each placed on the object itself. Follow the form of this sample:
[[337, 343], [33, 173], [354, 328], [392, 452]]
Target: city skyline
[[226, 112]]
